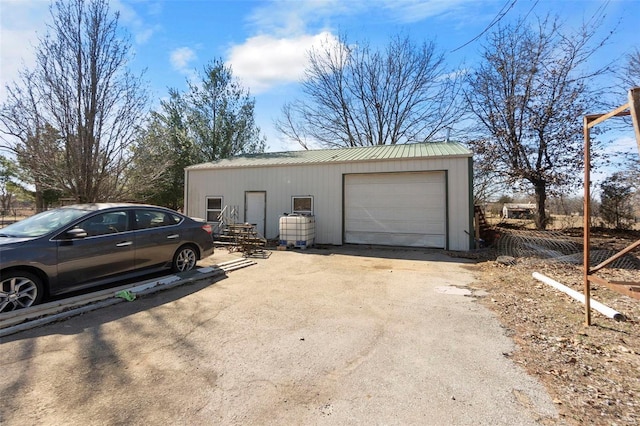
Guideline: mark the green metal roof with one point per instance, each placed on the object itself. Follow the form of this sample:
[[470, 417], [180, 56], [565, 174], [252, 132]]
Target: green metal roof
[[341, 155]]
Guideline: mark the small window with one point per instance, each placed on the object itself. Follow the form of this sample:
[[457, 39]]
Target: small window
[[302, 205], [214, 208]]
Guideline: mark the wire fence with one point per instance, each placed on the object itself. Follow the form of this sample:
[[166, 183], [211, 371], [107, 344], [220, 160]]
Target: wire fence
[[556, 247]]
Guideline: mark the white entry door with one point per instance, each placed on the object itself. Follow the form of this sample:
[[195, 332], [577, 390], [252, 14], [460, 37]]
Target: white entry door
[[255, 209]]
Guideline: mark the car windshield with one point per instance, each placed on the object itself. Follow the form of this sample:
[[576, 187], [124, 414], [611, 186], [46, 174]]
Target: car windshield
[[42, 223]]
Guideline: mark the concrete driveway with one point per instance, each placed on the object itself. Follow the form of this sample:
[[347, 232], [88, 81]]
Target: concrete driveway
[[340, 336]]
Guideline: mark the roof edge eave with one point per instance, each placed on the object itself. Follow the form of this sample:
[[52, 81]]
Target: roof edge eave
[[215, 166]]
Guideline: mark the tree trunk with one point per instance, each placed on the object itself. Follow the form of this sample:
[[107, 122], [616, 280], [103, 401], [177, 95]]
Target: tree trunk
[[541, 219], [39, 201], [40, 207]]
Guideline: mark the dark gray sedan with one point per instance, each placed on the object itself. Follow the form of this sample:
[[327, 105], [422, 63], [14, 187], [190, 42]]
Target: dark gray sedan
[[87, 245]]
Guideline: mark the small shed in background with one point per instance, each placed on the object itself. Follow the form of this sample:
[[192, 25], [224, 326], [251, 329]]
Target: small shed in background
[[415, 195], [518, 211]]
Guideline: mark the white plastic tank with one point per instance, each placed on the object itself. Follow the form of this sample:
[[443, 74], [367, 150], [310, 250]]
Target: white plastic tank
[[297, 230]]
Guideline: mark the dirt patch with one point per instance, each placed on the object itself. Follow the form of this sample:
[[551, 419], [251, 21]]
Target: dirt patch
[[592, 373]]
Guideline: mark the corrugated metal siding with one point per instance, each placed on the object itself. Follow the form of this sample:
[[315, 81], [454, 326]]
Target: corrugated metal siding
[[324, 182], [356, 154]]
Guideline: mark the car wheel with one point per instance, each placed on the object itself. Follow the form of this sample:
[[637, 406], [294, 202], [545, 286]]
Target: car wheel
[[184, 259], [19, 290]]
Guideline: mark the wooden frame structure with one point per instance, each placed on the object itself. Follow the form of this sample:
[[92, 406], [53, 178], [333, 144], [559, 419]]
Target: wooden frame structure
[[632, 289]]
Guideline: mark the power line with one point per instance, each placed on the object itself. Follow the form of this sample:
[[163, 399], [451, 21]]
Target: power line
[[505, 9], [530, 10]]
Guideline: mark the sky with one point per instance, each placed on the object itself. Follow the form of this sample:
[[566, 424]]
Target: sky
[[265, 41]]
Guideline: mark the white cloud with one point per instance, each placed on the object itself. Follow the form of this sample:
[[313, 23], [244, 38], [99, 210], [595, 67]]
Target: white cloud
[[142, 36], [139, 29], [277, 53], [181, 58], [265, 61], [285, 18], [408, 11], [288, 18], [626, 143], [21, 23]]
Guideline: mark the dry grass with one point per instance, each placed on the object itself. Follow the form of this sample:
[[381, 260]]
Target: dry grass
[[593, 373]]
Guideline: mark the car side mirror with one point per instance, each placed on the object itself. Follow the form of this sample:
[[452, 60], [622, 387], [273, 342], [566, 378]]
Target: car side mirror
[[75, 233]]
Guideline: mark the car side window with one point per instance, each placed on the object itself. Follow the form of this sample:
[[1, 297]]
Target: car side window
[[174, 219], [105, 223], [146, 219]]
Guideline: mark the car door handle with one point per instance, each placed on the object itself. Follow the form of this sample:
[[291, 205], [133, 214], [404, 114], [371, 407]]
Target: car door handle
[[124, 244], [173, 236]]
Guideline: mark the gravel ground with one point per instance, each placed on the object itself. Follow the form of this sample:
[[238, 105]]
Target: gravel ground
[[322, 337]]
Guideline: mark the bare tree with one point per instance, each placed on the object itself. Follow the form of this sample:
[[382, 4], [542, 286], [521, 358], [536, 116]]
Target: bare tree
[[528, 95], [32, 141], [8, 177], [631, 75], [487, 185], [358, 96], [615, 201], [81, 91]]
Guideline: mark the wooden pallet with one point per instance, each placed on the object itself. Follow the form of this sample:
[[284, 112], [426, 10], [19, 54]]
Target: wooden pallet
[[242, 237]]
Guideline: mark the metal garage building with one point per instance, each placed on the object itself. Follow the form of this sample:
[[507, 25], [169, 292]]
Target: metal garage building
[[416, 195]]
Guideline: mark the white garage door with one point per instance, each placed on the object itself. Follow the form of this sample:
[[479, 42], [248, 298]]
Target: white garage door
[[400, 209]]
